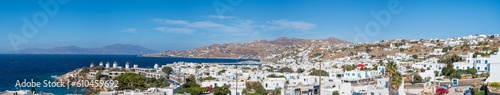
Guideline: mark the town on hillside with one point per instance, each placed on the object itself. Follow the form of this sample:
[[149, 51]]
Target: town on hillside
[[452, 66]]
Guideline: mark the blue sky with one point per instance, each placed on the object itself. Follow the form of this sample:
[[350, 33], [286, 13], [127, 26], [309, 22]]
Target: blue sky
[[186, 24]]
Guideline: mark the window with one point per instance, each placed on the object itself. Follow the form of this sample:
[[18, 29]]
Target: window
[[486, 68], [478, 61], [468, 67], [456, 67], [486, 61], [478, 68]]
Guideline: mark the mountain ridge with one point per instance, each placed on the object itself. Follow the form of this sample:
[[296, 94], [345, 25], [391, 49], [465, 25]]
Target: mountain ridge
[[254, 50], [72, 49]]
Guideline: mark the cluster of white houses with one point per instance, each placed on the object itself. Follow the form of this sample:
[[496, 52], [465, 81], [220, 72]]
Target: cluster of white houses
[[479, 63], [116, 70], [369, 80]]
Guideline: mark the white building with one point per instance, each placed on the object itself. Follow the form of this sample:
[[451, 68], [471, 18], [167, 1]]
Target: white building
[[127, 65], [494, 65], [273, 83], [481, 64], [430, 66], [107, 64], [115, 65], [382, 87]]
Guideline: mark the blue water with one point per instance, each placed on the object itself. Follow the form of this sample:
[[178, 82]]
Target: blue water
[[41, 67]]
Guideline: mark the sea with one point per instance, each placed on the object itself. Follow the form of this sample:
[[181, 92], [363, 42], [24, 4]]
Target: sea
[[48, 67]]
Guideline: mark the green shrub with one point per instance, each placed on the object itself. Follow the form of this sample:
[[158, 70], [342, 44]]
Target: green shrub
[[495, 84]]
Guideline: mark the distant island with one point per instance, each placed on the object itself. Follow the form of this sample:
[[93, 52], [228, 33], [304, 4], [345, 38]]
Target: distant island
[[109, 49]]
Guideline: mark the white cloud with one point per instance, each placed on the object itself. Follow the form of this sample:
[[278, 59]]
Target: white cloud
[[233, 25], [208, 25], [130, 30], [221, 17], [287, 25], [174, 30]]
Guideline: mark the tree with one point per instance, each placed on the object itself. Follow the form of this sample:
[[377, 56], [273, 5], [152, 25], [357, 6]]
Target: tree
[[276, 91], [162, 82], [348, 67], [455, 74], [472, 71], [255, 87], [449, 70], [335, 93], [167, 70], [414, 56], [436, 73], [192, 90], [259, 88], [381, 63], [85, 70], [446, 49], [491, 36], [487, 74], [153, 82], [285, 69], [207, 78], [396, 80], [275, 76], [395, 77], [417, 78], [192, 87], [220, 72], [300, 70], [98, 68], [318, 72], [191, 78], [224, 90], [98, 76], [131, 81], [391, 67]]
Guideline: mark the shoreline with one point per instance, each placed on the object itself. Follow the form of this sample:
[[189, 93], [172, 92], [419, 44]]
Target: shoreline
[[254, 59]]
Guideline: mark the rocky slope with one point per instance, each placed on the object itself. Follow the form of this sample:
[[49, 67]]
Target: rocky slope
[[260, 49]]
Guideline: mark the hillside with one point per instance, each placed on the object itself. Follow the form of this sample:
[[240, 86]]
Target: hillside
[[257, 49]]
